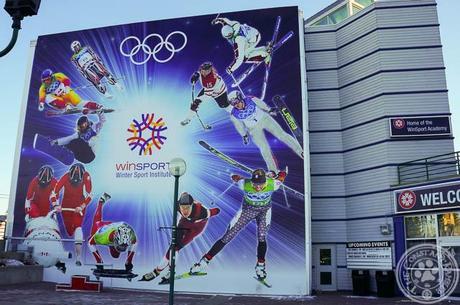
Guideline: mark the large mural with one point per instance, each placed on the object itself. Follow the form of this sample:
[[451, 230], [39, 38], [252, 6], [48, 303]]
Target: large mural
[[108, 108]]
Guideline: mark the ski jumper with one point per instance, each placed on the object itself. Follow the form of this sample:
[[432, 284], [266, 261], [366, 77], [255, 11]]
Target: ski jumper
[[256, 120]]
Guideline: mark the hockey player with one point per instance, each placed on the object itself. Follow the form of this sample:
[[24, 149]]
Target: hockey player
[[82, 142], [256, 206], [256, 117], [76, 187], [118, 236], [90, 65], [193, 219], [39, 193], [55, 91], [244, 40]]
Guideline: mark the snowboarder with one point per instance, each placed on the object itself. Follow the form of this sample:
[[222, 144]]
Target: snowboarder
[[256, 206], [82, 142], [193, 219], [39, 193], [118, 236], [76, 187], [55, 91], [256, 117], [244, 39], [90, 65]]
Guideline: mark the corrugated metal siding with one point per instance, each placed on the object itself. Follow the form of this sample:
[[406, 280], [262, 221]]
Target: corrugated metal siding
[[363, 51]]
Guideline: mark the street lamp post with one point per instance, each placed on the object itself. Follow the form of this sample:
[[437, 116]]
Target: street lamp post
[[177, 168]]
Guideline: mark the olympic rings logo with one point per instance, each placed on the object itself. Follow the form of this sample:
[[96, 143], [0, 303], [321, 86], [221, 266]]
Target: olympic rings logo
[[152, 51]]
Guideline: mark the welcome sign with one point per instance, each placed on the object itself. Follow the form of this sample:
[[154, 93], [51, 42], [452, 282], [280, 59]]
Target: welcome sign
[[432, 197]]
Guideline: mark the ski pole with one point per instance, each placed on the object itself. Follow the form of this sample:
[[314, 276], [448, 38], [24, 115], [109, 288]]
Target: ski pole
[[205, 126], [223, 193], [237, 84]]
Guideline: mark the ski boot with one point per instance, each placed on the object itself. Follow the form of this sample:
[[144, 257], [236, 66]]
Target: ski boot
[[150, 276], [165, 279], [200, 267], [78, 263], [99, 267], [104, 198], [260, 271], [128, 267]]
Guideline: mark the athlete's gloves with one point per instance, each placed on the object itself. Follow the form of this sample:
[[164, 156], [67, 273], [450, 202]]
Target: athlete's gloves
[[195, 104], [217, 21], [281, 176], [229, 70], [79, 210], [271, 174], [54, 142], [57, 208], [273, 111], [236, 178], [246, 139], [41, 106], [128, 267], [195, 77]]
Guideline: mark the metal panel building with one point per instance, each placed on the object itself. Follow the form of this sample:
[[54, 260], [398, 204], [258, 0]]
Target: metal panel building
[[377, 60]]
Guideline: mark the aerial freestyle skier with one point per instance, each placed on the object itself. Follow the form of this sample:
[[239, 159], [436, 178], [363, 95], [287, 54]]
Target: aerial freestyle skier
[[83, 142], [55, 91], [244, 39], [256, 117], [213, 87], [256, 206], [193, 220], [39, 193], [118, 236], [75, 186], [90, 65]]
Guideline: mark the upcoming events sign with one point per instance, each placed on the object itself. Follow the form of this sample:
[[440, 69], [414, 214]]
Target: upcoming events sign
[[431, 197], [369, 255], [420, 126]]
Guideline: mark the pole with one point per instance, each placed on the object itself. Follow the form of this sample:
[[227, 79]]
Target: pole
[[172, 253]]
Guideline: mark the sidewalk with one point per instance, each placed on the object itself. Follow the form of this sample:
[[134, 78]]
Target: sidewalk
[[44, 293]]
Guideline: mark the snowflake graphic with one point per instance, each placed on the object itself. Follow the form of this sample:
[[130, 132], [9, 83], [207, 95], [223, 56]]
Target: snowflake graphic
[[146, 134], [399, 123], [407, 199]]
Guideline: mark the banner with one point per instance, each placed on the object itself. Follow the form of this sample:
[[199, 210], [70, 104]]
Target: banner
[[420, 126], [369, 255], [107, 110], [428, 198]]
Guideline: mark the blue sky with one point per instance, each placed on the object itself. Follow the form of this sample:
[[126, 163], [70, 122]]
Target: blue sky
[[62, 16]]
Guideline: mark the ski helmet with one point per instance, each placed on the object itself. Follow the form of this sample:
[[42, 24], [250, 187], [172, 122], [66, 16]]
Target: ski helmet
[[47, 73], [234, 97], [227, 31], [123, 237], [185, 199], [206, 65], [45, 175], [82, 119], [258, 176], [76, 172], [75, 46]]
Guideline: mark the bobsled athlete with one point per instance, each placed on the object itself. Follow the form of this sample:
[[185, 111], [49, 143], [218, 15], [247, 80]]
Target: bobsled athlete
[[39, 193]]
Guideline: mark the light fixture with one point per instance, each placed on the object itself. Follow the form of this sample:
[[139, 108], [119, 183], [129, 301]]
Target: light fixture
[[18, 9], [177, 168]]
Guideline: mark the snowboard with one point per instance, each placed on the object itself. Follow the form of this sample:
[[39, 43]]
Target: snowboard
[[60, 153]]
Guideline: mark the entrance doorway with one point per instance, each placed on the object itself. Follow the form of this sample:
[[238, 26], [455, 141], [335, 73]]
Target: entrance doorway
[[326, 267]]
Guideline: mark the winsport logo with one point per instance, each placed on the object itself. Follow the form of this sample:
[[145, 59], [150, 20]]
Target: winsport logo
[[146, 135]]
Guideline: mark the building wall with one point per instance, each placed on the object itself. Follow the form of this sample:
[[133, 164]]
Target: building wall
[[384, 61]]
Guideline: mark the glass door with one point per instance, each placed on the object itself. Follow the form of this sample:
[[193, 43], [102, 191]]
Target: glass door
[[326, 268]]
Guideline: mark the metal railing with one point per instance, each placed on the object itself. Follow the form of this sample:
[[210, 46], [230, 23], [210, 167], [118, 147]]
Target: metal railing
[[432, 168]]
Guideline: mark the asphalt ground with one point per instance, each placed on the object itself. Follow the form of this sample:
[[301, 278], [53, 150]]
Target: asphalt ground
[[44, 293]]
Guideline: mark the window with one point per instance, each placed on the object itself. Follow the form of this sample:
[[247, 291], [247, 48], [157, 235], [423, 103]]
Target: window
[[339, 13], [449, 224], [423, 226], [325, 256]]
